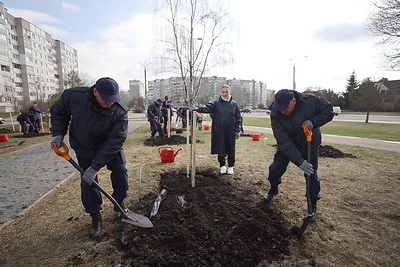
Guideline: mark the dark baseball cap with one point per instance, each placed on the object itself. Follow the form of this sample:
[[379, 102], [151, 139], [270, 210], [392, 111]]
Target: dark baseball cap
[[108, 89], [282, 99]]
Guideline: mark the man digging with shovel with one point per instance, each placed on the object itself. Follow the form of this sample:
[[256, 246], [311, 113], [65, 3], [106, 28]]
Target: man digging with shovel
[[289, 112], [98, 124]]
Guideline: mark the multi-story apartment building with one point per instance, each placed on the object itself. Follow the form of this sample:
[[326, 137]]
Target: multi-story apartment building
[[136, 89], [248, 93], [33, 64]]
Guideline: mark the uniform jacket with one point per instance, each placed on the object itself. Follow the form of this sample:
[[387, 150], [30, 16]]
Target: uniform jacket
[[35, 113], [23, 117], [288, 131], [226, 120], [154, 110], [95, 132]]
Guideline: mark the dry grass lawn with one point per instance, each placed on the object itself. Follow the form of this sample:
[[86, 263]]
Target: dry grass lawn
[[358, 220]]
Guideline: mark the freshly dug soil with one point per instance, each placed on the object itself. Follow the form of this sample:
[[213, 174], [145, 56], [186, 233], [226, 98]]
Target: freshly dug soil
[[30, 135], [328, 151], [219, 225], [173, 140], [6, 131]]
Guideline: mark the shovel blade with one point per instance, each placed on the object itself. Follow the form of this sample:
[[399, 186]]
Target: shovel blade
[[137, 220]]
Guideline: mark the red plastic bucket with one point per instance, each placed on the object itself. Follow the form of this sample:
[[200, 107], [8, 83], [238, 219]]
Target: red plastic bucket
[[207, 127], [256, 136], [167, 154], [3, 137]]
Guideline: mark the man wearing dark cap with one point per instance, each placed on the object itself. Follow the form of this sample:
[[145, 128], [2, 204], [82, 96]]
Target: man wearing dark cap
[[289, 112], [154, 116], [98, 127]]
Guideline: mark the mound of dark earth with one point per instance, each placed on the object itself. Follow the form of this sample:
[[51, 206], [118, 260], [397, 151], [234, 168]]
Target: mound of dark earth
[[6, 131], [217, 224], [328, 151]]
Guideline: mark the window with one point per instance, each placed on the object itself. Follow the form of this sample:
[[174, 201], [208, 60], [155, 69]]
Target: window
[[8, 88], [5, 68], [18, 84], [17, 66], [3, 36], [2, 26], [19, 75], [16, 56], [14, 37]]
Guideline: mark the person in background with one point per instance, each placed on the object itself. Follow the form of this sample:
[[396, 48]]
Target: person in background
[[181, 113], [166, 104], [98, 121], [35, 116], [22, 119], [155, 118], [289, 112], [225, 128]]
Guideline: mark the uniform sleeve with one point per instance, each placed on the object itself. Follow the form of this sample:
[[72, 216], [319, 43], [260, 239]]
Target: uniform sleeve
[[324, 112], [61, 114], [238, 119]]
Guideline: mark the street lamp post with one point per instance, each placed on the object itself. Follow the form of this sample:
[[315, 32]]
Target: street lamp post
[[294, 73]]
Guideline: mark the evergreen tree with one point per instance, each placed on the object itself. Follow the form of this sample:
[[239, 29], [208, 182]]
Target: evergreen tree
[[351, 87], [367, 97]]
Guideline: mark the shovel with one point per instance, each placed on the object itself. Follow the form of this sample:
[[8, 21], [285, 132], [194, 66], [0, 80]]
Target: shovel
[[129, 217], [309, 215]]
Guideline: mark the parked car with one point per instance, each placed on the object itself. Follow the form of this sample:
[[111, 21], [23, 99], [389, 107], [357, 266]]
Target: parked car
[[2, 121], [246, 110], [268, 112], [336, 110]]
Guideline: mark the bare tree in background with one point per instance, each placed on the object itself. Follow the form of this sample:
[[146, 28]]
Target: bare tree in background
[[385, 24], [195, 32], [367, 97]]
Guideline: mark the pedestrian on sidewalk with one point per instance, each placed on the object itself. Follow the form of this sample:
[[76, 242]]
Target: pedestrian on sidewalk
[[289, 112], [225, 128], [98, 121]]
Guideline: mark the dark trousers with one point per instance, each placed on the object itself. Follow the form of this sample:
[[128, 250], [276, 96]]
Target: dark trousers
[[156, 127], [279, 166], [91, 197], [231, 160], [23, 126]]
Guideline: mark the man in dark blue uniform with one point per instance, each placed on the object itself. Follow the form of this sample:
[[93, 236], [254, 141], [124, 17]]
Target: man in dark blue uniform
[[289, 112], [98, 128], [22, 119], [155, 118]]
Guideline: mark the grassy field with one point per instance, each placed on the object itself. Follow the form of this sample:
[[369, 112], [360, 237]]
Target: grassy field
[[358, 222], [384, 131]]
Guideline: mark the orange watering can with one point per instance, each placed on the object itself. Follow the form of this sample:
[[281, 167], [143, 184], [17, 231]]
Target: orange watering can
[[167, 154]]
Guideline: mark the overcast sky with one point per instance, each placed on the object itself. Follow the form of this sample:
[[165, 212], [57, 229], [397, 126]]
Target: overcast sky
[[326, 39]]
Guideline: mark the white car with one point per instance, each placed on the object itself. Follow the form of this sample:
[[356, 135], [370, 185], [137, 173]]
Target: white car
[[336, 110], [2, 121]]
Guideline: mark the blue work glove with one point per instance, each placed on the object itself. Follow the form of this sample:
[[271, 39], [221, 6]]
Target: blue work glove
[[309, 124], [237, 135], [307, 168], [89, 175], [58, 139]]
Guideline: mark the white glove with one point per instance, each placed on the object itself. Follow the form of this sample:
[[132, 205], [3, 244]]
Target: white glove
[[309, 124], [89, 175], [58, 139], [307, 168], [237, 135]]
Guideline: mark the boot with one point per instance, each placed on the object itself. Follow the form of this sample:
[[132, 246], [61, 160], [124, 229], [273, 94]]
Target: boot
[[121, 203], [273, 191], [95, 228]]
